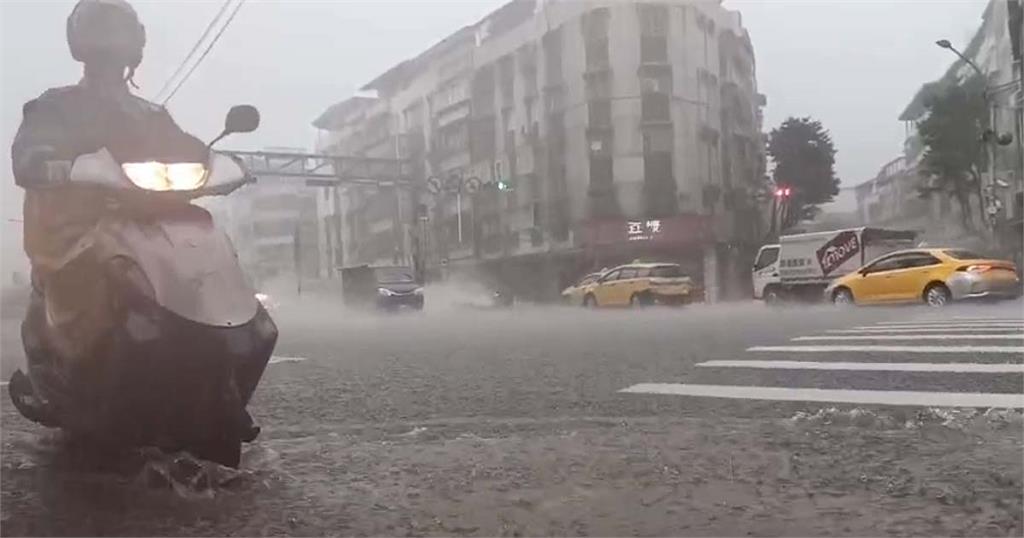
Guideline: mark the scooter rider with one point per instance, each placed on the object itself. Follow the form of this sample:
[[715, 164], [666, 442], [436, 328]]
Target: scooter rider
[[58, 126]]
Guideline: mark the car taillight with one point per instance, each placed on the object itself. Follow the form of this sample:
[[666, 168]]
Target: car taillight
[[975, 268]]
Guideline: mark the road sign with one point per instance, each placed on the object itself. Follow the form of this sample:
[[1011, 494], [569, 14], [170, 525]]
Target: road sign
[[472, 185], [434, 185]]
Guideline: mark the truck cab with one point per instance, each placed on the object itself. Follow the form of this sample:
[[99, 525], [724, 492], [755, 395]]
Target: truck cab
[[766, 273]]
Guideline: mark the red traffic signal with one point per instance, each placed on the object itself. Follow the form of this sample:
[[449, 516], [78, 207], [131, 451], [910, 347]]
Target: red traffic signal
[[783, 192]]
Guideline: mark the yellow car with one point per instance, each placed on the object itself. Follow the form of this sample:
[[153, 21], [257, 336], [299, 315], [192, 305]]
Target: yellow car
[[573, 295], [640, 284], [935, 276]]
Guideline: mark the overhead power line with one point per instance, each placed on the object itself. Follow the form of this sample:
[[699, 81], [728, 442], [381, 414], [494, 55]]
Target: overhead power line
[[191, 53], [209, 47]]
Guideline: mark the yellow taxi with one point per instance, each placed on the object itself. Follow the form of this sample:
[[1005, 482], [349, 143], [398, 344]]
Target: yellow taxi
[[640, 284], [573, 295], [935, 276]]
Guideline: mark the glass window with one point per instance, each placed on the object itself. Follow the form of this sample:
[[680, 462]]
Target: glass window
[[887, 264], [393, 275], [671, 271], [920, 260], [614, 275], [767, 257], [963, 254]]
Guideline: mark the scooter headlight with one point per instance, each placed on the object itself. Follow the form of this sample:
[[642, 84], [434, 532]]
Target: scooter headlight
[[154, 176]]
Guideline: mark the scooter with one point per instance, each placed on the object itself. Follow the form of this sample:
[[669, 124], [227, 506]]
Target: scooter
[[188, 339]]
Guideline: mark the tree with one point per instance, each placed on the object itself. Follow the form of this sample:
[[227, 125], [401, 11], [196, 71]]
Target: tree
[[954, 154], [804, 158]]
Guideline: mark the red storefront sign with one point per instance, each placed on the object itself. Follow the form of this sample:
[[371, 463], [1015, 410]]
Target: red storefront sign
[[669, 231]]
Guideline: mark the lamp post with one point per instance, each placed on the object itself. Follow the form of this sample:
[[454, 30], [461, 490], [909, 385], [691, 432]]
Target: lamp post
[[989, 139]]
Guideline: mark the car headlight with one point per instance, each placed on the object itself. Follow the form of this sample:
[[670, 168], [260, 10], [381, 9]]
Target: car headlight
[[154, 176], [385, 292]]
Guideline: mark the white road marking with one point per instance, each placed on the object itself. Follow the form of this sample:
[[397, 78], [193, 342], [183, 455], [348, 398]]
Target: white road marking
[[951, 322], [275, 359], [892, 349], [883, 397], [975, 318], [929, 330], [914, 337], [949, 326], [961, 367]]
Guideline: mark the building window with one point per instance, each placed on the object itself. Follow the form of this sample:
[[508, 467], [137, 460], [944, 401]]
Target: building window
[[507, 75], [597, 54], [656, 83], [601, 142], [601, 175], [600, 113], [653, 19], [595, 23], [552, 43], [655, 108], [599, 87], [658, 140], [654, 49]]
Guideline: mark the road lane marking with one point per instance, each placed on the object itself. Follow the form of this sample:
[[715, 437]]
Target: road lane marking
[[892, 349], [953, 323], [913, 337], [881, 397], [959, 367], [972, 318], [928, 330], [275, 359], [1004, 326]]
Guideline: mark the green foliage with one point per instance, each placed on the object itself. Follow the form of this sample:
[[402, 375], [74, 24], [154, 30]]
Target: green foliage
[[951, 134], [804, 158]]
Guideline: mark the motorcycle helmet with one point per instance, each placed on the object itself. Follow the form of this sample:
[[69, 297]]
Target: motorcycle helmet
[[106, 31]]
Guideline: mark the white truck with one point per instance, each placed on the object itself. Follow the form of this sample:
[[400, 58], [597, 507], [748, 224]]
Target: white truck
[[801, 266]]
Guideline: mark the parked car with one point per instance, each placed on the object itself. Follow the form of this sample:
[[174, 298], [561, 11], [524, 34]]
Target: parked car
[[640, 284], [934, 276], [573, 295]]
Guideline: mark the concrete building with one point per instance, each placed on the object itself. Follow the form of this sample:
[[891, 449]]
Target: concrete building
[[996, 50], [596, 131], [272, 223]]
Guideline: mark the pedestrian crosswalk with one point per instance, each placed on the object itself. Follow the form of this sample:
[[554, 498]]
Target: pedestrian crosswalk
[[981, 357]]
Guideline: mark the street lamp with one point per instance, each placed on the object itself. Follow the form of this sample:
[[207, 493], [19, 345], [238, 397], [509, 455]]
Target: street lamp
[[986, 137], [944, 43]]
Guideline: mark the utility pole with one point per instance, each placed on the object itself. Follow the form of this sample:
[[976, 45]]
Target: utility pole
[[986, 193]]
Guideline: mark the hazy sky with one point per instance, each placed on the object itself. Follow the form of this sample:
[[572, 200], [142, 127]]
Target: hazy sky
[[853, 64]]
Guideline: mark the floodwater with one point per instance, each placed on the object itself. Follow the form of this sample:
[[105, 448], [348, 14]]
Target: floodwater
[[468, 420]]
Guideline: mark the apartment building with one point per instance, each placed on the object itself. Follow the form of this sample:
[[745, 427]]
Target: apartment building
[[995, 49], [565, 136], [273, 222]]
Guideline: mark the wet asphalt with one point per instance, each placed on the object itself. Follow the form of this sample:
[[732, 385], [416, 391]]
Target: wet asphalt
[[346, 385]]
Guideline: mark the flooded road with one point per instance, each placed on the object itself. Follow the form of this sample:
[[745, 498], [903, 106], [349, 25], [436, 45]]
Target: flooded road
[[462, 421]]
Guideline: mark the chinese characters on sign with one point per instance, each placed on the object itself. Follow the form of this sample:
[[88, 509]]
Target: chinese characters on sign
[[640, 230]]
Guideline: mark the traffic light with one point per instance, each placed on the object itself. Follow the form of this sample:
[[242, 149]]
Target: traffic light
[[783, 192], [504, 185]]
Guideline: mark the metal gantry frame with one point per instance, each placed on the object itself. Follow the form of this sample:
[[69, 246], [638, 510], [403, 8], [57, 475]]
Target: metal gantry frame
[[340, 171], [322, 170]]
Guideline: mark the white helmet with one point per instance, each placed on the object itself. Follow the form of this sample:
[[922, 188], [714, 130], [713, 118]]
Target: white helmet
[[106, 31]]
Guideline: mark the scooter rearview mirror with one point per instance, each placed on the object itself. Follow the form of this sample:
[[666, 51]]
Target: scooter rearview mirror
[[242, 119]]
